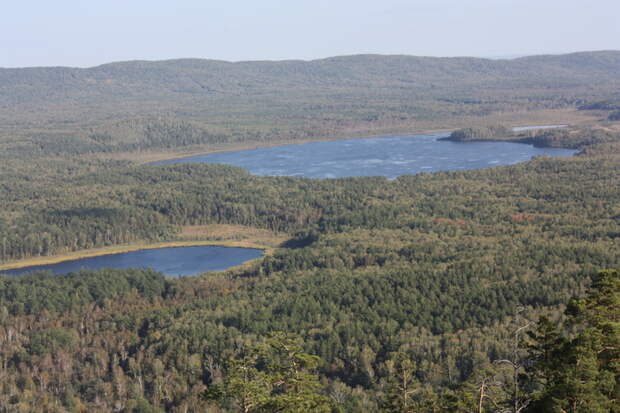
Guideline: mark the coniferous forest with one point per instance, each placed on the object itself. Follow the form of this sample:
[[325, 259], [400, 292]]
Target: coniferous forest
[[488, 290]]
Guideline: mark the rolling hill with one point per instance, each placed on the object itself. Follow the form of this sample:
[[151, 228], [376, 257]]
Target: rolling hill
[[113, 106]]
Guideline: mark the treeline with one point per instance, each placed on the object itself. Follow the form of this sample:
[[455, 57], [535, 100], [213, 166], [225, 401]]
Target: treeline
[[47, 233], [571, 138], [169, 133], [608, 104], [33, 294], [126, 136], [480, 133]]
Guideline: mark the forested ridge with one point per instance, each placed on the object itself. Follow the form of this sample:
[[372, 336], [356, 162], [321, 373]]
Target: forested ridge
[[176, 104], [473, 291]]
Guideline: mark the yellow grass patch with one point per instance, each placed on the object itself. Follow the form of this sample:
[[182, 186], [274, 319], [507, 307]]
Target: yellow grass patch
[[238, 234]]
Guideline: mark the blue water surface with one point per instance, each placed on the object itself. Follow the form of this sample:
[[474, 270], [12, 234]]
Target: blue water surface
[[173, 262], [389, 156]]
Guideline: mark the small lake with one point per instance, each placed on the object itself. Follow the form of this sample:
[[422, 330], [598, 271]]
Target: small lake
[[173, 262], [389, 156]]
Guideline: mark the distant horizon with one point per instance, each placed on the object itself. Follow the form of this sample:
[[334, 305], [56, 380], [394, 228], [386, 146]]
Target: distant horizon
[[75, 33], [495, 57]]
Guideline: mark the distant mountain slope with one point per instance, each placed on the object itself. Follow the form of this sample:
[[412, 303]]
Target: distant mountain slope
[[113, 106], [142, 79]]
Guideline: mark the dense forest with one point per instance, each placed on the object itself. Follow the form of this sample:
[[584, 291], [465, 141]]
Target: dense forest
[[472, 291], [422, 273]]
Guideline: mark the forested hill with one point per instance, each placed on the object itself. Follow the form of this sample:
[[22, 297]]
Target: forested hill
[[180, 85], [195, 77]]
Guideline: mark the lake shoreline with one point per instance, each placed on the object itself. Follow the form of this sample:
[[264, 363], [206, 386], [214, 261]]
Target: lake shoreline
[[155, 158], [569, 116], [121, 249], [388, 156], [180, 156], [150, 159]]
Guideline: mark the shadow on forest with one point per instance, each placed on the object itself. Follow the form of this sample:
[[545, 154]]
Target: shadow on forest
[[301, 240]]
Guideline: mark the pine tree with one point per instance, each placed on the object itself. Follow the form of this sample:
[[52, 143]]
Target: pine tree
[[401, 385], [581, 374], [275, 377]]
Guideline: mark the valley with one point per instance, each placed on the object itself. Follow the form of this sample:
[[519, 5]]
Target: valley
[[420, 273]]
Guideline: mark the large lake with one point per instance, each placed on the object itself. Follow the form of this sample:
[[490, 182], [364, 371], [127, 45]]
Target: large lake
[[389, 156], [173, 262]]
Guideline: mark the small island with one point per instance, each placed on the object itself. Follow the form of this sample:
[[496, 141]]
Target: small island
[[481, 133], [573, 137]]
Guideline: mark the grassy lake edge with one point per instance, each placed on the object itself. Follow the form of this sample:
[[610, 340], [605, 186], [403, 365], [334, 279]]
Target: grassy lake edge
[[121, 249]]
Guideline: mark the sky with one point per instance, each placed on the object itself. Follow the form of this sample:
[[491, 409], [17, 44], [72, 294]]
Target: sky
[[86, 33]]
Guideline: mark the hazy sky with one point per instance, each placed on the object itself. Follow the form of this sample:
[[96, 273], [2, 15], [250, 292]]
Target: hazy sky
[[91, 32]]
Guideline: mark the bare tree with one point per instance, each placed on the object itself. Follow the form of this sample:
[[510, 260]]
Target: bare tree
[[516, 363]]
